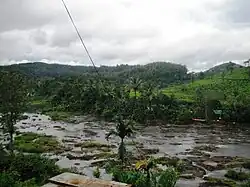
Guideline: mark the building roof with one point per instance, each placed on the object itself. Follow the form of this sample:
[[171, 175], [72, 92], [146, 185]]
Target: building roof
[[75, 180]]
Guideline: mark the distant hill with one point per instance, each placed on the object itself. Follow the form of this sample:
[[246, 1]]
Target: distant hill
[[161, 73], [223, 68]]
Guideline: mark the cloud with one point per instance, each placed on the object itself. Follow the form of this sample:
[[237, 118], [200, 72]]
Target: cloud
[[238, 12], [196, 33]]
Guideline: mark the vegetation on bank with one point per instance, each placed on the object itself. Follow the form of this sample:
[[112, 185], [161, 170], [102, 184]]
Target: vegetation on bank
[[126, 101], [36, 143], [26, 170], [238, 176]]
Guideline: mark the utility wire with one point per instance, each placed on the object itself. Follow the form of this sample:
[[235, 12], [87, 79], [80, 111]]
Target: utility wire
[[85, 47], [80, 37]]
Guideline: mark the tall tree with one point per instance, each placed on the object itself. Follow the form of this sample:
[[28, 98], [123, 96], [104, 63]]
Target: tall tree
[[13, 101], [135, 84]]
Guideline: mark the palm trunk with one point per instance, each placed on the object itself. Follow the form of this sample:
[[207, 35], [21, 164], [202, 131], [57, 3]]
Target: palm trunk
[[11, 143], [121, 150], [11, 132]]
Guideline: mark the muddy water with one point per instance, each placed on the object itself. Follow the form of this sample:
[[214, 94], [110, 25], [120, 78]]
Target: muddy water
[[171, 140]]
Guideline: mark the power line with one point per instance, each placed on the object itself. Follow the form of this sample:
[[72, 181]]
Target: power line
[[77, 31]]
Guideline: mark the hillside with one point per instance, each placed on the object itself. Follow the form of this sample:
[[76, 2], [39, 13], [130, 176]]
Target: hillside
[[223, 68], [161, 73], [226, 86]]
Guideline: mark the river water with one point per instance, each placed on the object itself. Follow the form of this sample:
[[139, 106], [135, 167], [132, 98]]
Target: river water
[[171, 140]]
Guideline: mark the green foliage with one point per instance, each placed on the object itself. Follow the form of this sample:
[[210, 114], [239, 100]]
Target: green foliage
[[246, 165], [219, 182], [26, 170], [124, 128], [8, 179], [36, 143], [247, 184], [232, 94], [171, 162], [239, 176], [137, 179], [59, 116], [159, 72], [13, 101], [34, 166], [166, 178], [96, 172], [92, 144], [185, 116], [40, 105]]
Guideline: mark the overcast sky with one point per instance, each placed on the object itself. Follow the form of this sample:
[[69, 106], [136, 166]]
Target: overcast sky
[[196, 33]]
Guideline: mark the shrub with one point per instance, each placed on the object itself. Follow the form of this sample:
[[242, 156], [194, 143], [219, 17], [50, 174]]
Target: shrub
[[8, 179], [184, 116], [239, 176], [247, 184], [166, 178], [246, 165], [97, 173], [34, 166]]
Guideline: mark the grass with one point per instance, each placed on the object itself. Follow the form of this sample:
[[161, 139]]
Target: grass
[[36, 143], [219, 182], [59, 116], [39, 105], [93, 144]]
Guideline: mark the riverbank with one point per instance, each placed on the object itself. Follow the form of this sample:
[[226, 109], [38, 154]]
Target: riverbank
[[198, 150]]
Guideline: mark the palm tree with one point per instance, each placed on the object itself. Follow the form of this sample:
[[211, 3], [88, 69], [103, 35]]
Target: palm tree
[[135, 84], [149, 91], [124, 128]]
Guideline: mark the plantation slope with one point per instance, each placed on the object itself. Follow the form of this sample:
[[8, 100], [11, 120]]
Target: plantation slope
[[234, 84]]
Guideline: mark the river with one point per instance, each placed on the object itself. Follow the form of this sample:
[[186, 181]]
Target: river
[[171, 140]]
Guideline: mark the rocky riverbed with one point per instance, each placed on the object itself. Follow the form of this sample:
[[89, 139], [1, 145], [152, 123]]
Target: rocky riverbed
[[203, 151]]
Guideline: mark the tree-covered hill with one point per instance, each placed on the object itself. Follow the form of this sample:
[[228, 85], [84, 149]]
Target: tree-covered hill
[[161, 73], [229, 66]]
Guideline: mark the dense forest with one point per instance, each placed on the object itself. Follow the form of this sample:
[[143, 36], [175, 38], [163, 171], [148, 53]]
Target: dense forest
[[156, 93], [161, 73]]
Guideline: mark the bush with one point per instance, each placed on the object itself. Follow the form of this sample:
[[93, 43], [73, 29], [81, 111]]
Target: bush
[[247, 184], [12, 180], [185, 116], [7, 180], [166, 178], [239, 176], [33, 166], [246, 165], [97, 173]]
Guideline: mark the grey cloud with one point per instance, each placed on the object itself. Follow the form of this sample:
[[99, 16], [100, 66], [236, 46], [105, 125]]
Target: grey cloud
[[34, 30], [39, 37], [238, 12]]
